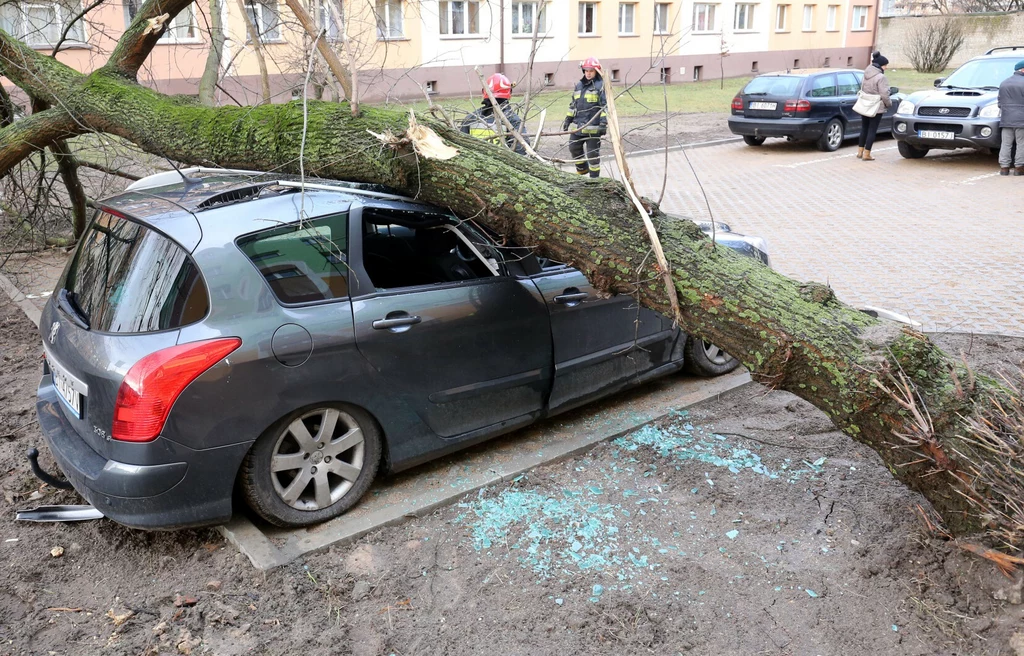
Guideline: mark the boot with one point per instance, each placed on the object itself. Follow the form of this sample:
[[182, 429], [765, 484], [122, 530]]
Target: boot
[[867, 156], [1019, 170], [1004, 170], [860, 152]]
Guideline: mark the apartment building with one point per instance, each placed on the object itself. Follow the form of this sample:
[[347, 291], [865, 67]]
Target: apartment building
[[407, 49]]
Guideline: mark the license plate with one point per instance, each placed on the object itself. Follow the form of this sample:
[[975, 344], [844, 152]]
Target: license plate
[[763, 105], [66, 389], [935, 134]]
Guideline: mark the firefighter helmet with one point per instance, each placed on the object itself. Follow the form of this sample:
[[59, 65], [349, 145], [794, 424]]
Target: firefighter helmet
[[591, 62], [500, 86]]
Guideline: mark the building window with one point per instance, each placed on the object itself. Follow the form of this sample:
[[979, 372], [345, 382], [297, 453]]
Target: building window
[[808, 18], [389, 19], [661, 24], [860, 17], [263, 14], [781, 18], [849, 61], [42, 23], [458, 17], [615, 75], [181, 28], [828, 62], [588, 18], [796, 63], [743, 18], [703, 17], [698, 73], [831, 18], [753, 66], [549, 80], [666, 76], [330, 20], [522, 18], [626, 13], [431, 86]]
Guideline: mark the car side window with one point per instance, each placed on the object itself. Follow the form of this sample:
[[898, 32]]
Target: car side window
[[422, 253], [849, 84], [303, 262], [823, 86]]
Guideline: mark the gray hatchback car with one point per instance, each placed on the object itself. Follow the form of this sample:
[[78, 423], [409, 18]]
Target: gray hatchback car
[[219, 331]]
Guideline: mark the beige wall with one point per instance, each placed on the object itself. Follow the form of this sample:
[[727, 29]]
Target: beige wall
[[984, 31]]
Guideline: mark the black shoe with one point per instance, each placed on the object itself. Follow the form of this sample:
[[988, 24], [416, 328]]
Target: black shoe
[[1019, 170], [1004, 171]]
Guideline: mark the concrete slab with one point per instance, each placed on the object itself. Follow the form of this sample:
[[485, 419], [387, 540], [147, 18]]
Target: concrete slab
[[421, 490]]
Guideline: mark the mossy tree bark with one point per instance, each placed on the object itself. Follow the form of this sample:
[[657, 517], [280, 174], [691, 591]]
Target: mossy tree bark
[[874, 380]]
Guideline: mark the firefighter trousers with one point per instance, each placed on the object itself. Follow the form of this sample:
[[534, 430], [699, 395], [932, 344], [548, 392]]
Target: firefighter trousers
[[591, 146]]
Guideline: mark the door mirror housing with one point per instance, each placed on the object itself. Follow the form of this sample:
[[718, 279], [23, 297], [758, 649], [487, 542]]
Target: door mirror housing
[[893, 90], [938, 81]]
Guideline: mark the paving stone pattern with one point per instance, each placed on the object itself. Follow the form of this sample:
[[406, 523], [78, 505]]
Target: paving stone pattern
[[940, 240]]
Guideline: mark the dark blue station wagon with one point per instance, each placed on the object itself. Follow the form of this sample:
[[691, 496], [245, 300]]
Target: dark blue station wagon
[[811, 104]]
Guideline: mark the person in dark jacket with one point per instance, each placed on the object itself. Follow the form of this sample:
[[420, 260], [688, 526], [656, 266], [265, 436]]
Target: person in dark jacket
[[481, 123], [1011, 120], [587, 111], [874, 83]]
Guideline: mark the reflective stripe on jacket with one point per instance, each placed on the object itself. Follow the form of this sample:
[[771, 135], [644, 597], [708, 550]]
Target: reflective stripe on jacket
[[587, 107], [480, 124]]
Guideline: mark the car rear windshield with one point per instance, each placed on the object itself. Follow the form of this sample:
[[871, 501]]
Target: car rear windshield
[[127, 278], [303, 262], [981, 73], [773, 85]]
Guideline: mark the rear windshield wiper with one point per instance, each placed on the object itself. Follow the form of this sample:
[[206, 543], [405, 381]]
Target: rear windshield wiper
[[67, 303], [757, 93]]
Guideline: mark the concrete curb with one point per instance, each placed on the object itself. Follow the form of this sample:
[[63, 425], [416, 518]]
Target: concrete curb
[[31, 311], [275, 547]]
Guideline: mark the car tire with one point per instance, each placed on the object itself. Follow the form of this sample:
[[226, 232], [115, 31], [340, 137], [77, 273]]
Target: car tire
[[832, 137], [753, 141], [701, 358], [910, 152], [334, 448]]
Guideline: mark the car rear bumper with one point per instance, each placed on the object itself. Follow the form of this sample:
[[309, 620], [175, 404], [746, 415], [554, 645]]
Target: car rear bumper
[[968, 132], [797, 128], [194, 492]]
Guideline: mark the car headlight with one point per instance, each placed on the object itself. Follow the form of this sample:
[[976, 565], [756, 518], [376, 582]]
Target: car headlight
[[990, 111], [906, 107]]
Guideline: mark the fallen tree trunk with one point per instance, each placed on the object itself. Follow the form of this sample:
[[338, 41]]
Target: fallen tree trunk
[[884, 385]]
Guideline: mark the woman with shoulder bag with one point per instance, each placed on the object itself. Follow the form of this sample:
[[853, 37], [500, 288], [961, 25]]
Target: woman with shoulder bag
[[874, 101]]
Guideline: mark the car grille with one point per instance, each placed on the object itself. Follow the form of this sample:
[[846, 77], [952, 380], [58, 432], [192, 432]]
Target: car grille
[[942, 127], [952, 112]]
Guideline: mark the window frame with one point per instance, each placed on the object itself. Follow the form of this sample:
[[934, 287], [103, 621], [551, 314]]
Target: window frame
[[518, 11], [627, 8], [782, 18], [663, 26], [25, 29], [581, 19], [748, 11], [831, 19], [332, 24], [808, 19], [470, 19], [709, 10], [273, 35], [386, 20], [862, 11]]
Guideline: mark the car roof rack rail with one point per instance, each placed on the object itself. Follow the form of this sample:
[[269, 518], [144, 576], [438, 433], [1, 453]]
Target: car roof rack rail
[[997, 49]]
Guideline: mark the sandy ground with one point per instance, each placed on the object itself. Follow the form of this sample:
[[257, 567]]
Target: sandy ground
[[745, 526]]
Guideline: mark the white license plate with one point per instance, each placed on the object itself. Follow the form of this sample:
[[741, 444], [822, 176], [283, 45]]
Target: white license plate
[[935, 134], [763, 105], [66, 389]]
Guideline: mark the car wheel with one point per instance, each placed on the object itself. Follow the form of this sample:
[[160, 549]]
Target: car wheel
[[312, 465], [753, 141], [909, 151], [701, 358], [832, 138]]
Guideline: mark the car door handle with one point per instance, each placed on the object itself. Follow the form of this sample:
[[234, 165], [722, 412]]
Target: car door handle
[[398, 321], [571, 297]]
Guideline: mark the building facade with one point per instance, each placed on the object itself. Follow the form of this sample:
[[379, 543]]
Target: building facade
[[407, 49]]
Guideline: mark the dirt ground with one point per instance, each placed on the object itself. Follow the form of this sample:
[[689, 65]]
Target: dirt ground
[[744, 526]]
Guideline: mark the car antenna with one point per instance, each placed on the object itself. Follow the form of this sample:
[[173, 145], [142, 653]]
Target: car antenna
[[189, 182], [707, 203]]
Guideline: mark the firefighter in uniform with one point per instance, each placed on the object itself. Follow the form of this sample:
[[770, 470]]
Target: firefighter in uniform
[[587, 111], [480, 124]]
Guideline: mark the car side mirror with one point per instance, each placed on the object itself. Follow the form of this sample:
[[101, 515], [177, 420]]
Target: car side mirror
[[938, 81], [893, 90]]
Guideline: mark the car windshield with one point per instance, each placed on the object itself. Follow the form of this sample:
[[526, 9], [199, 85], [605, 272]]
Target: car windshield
[[981, 73], [773, 85]]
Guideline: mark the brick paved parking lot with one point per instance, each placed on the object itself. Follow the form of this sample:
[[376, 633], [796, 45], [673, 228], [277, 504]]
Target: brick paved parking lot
[[940, 240]]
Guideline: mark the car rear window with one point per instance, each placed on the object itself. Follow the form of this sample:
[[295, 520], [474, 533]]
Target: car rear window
[[773, 85], [303, 262], [127, 278]]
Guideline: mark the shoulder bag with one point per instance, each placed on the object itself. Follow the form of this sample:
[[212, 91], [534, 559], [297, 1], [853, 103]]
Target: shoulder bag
[[867, 104]]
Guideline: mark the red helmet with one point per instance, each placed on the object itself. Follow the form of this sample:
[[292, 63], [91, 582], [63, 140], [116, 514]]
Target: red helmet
[[500, 86], [591, 62]]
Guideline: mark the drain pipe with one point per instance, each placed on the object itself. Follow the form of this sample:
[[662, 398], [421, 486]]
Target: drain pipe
[[501, 37]]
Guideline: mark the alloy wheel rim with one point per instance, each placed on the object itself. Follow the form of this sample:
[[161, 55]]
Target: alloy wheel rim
[[715, 354], [317, 459], [834, 135]]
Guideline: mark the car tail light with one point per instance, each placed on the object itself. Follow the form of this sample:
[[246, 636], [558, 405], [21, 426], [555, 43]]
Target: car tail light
[[153, 384], [797, 106], [737, 103]]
